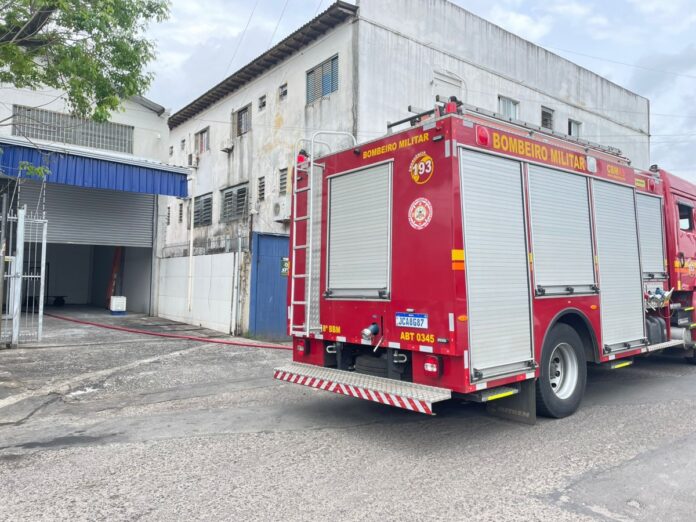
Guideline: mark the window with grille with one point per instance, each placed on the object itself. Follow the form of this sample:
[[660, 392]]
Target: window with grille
[[283, 182], [508, 107], [547, 118], [261, 188], [46, 125], [322, 80], [262, 102], [181, 212], [234, 203], [243, 120], [169, 215], [202, 140], [283, 91], [203, 211]]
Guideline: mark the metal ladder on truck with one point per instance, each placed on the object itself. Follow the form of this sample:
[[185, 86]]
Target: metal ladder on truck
[[302, 218]]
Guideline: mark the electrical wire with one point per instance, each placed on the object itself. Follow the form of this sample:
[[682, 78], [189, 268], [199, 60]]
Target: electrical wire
[[241, 38], [285, 6]]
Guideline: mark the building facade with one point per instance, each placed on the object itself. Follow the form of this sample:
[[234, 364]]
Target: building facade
[[99, 196], [353, 68]]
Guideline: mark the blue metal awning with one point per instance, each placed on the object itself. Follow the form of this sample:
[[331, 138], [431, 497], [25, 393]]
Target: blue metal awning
[[88, 169]]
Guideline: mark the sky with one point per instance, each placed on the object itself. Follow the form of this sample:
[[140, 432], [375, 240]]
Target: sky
[[647, 46]]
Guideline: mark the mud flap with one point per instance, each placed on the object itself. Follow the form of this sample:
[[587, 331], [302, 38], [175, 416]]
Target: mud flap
[[520, 407]]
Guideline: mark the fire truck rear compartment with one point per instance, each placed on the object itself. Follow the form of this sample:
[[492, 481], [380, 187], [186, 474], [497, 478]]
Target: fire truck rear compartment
[[387, 363]]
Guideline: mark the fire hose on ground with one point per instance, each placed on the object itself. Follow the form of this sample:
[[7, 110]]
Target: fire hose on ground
[[248, 344]]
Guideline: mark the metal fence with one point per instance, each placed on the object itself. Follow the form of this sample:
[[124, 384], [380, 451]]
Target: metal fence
[[24, 279]]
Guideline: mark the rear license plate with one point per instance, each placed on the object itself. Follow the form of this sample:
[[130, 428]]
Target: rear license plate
[[408, 320]]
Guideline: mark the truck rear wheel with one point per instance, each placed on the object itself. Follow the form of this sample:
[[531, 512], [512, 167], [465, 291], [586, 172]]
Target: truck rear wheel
[[561, 383]]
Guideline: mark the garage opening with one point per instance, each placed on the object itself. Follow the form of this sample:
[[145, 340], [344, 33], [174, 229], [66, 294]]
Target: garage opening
[[100, 243], [86, 274]]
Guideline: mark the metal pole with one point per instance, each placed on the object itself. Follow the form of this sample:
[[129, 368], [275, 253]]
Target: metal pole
[[190, 263], [43, 275], [3, 253], [17, 276]]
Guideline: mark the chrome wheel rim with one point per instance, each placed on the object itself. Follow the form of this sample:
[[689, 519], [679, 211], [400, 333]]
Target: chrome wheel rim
[[563, 370]]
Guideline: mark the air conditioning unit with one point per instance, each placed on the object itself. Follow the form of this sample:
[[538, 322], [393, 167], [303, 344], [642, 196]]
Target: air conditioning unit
[[193, 160], [227, 145], [281, 210]]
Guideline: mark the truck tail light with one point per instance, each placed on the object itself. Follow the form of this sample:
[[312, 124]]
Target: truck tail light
[[302, 346], [432, 365]]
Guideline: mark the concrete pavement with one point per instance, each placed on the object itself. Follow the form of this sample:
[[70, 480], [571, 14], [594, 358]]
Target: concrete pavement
[[170, 430]]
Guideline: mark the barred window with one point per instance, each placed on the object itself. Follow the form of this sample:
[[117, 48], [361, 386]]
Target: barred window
[[261, 189], [547, 118], [181, 212], [53, 126], [322, 80], [283, 91], [169, 215], [283, 182], [203, 211], [234, 203], [262, 102], [202, 140], [244, 120]]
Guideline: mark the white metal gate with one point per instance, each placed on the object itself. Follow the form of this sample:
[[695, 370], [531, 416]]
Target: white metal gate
[[497, 276], [25, 271]]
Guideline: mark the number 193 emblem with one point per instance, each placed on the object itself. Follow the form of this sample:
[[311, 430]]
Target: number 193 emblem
[[422, 168]]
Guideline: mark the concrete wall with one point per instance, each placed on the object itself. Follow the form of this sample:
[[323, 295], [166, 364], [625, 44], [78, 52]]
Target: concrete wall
[[405, 60], [69, 268], [150, 134], [137, 279], [212, 291]]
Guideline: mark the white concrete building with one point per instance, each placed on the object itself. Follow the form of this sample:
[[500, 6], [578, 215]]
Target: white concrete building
[[354, 68], [100, 194]]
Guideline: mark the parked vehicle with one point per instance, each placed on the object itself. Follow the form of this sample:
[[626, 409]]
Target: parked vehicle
[[472, 257]]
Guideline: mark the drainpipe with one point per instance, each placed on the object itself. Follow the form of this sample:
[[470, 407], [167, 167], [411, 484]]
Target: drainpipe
[[192, 179]]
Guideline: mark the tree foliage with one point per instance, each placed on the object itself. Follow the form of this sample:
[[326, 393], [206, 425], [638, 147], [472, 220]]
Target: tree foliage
[[94, 50]]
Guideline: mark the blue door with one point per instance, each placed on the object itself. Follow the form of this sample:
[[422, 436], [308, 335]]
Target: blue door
[[269, 283]]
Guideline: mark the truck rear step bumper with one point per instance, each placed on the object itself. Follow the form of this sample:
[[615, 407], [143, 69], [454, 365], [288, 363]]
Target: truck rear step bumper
[[405, 395]]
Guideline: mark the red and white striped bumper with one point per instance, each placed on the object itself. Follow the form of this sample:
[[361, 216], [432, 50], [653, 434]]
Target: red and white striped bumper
[[405, 395]]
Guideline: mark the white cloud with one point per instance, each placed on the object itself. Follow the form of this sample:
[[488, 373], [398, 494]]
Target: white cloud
[[670, 15], [521, 24], [570, 8]]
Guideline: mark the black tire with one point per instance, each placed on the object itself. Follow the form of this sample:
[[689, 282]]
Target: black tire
[[560, 395]]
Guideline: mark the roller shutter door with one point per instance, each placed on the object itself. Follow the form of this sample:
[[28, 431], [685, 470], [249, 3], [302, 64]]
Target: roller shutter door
[[496, 264], [652, 254], [94, 217], [561, 231], [619, 267], [359, 233]]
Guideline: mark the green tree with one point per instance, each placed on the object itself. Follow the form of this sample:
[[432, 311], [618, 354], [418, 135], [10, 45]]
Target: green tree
[[96, 51]]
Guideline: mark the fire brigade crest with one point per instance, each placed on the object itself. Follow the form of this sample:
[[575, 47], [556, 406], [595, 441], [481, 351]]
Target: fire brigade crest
[[420, 213]]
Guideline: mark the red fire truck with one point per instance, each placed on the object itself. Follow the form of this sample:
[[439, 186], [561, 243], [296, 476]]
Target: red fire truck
[[477, 258]]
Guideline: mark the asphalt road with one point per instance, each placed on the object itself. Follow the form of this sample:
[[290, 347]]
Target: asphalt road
[[121, 427]]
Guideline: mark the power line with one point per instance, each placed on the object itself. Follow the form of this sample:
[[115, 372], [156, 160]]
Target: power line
[[617, 62], [270, 43], [316, 11], [239, 42]]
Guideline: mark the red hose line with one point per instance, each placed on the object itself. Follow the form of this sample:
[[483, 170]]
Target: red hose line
[[170, 336]]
